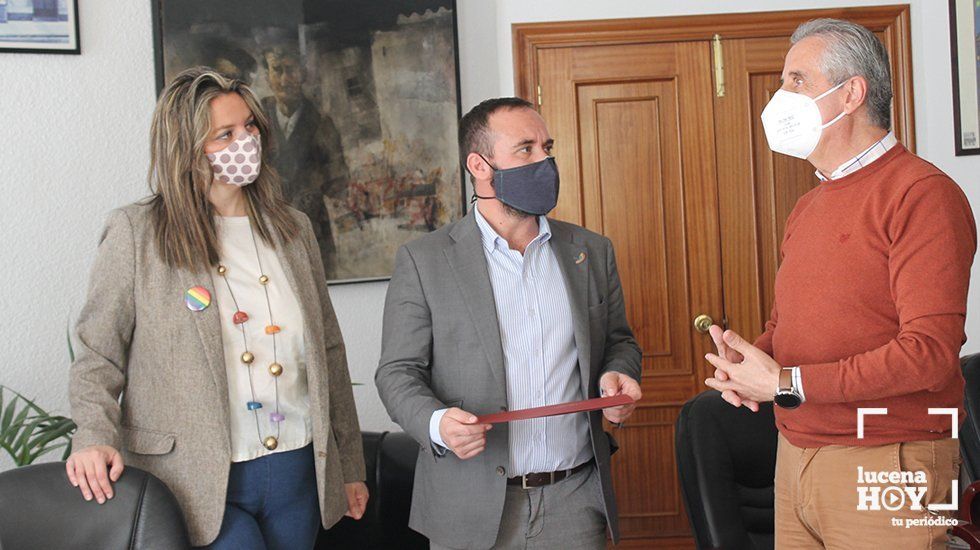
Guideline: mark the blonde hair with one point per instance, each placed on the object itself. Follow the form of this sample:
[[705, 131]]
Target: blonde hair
[[180, 175]]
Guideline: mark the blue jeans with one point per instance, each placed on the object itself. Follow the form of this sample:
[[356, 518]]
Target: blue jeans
[[272, 504]]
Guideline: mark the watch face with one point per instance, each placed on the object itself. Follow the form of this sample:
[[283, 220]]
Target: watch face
[[787, 400]]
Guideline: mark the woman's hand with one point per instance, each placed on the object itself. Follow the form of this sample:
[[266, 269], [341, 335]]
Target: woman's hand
[[87, 470], [357, 499]]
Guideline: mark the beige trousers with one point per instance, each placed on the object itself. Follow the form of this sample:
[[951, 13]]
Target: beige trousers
[[820, 502]]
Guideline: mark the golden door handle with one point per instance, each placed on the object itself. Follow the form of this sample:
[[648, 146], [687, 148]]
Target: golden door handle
[[703, 323]]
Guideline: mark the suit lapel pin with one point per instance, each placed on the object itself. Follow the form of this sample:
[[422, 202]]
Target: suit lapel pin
[[580, 258], [197, 298]]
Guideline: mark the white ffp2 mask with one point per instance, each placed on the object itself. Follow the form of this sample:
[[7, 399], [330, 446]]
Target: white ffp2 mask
[[793, 123]]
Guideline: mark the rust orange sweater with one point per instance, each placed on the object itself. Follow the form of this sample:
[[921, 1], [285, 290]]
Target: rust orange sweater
[[871, 302]]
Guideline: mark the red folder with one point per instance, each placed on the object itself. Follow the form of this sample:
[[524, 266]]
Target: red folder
[[555, 410]]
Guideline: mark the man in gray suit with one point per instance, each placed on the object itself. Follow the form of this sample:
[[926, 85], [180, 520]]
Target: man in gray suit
[[506, 309]]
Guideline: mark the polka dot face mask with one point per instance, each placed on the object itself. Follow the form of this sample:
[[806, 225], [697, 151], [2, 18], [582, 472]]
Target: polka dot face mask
[[238, 163]]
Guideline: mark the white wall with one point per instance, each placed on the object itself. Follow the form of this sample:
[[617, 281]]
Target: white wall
[[73, 145]]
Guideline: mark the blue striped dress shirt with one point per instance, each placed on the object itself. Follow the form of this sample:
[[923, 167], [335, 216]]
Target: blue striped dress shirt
[[540, 357]]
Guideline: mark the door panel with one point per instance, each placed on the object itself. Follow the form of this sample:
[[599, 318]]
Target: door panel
[[625, 189], [633, 141]]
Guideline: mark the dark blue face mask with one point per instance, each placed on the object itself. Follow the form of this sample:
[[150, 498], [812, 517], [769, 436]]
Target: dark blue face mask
[[532, 188]]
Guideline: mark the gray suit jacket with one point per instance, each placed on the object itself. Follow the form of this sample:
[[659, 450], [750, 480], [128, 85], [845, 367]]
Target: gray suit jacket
[[441, 348], [137, 340]]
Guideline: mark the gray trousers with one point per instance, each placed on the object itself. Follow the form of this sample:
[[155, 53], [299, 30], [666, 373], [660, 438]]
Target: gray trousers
[[568, 515]]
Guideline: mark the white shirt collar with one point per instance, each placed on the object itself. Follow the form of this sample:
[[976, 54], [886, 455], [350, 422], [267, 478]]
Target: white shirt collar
[[288, 124], [862, 159], [492, 240]]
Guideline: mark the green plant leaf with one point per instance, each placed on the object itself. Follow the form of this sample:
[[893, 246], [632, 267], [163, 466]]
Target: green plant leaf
[[17, 423], [71, 351], [8, 416], [60, 428], [27, 431], [39, 442], [9, 450], [46, 450], [30, 404], [20, 444]]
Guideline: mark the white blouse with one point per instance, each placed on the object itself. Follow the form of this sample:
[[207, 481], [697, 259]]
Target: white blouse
[[238, 255]]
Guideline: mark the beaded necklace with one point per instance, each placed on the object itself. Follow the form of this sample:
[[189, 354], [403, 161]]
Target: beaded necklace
[[240, 318]]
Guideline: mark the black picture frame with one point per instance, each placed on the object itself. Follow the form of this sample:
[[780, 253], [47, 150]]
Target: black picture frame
[[458, 208], [965, 142], [73, 47]]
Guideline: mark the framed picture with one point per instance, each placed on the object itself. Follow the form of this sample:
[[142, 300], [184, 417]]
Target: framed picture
[[39, 26], [964, 25], [363, 101]]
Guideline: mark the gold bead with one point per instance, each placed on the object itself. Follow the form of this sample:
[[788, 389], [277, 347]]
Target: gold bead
[[222, 269], [275, 369], [271, 443], [247, 357], [264, 279]]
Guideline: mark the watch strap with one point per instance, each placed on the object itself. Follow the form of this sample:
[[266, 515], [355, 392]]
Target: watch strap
[[785, 379]]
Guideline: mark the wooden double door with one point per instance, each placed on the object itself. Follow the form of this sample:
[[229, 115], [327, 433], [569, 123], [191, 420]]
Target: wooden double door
[[660, 147]]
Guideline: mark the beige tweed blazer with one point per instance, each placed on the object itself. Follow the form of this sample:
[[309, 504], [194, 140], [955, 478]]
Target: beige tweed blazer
[[149, 376]]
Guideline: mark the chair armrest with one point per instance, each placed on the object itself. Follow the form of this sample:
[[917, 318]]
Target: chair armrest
[[970, 534], [966, 503]]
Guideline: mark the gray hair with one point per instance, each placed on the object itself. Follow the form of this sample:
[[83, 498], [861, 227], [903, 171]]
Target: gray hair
[[853, 50]]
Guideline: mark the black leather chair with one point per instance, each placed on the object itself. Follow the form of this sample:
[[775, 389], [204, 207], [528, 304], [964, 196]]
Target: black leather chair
[[726, 458], [968, 531], [970, 429], [40, 509], [390, 460]]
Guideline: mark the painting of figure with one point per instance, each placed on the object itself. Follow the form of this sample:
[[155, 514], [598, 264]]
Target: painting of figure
[[363, 105]]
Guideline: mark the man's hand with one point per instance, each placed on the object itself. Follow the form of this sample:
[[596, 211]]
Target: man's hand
[[731, 356], [357, 499], [462, 434], [614, 383], [755, 378]]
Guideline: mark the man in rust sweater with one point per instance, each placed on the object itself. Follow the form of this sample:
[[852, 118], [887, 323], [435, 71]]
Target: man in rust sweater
[[869, 311]]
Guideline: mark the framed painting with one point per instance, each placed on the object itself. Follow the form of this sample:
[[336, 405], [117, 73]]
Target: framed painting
[[363, 101], [39, 26], [964, 31]]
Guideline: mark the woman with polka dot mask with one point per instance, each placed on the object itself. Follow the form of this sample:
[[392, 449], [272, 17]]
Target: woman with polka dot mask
[[208, 350]]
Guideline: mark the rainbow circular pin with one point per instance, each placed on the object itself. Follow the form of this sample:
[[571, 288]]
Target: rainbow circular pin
[[197, 298]]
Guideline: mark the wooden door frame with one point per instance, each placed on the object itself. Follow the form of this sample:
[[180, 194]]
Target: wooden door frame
[[893, 21]]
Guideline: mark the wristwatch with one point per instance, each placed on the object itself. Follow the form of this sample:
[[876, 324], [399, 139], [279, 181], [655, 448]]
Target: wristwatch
[[787, 394]]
